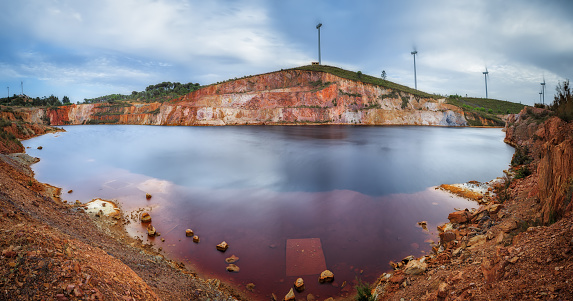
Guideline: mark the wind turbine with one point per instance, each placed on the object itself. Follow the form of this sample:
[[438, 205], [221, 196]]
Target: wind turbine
[[540, 96], [485, 74], [318, 27], [8, 91], [543, 89], [415, 79]]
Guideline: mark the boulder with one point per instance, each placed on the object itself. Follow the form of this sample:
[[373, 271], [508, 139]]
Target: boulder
[[196, 238], [145, 217], [189, 233], [232, 259], [299, 285], [290, 296], [493, 209], [39, 147], [151, 230], [446, 237], [223, 246], [459, 217], [233, 268], [415, 267], [326, 276]]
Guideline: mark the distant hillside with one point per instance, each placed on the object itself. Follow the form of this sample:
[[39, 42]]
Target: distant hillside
[[485, 107]]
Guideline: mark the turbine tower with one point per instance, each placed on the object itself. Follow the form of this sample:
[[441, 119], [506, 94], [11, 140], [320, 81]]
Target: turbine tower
[[8, 91], [540, 96], [415, 79], [485, 74], [318, 27], [543, 89], [22, 83]]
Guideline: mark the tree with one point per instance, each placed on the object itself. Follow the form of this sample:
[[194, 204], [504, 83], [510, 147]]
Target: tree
[[383, 75], [66, 100], [359, 73], [563, 101]]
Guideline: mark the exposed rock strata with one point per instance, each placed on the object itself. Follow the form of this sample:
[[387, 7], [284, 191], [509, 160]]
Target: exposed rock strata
[[282, 97]]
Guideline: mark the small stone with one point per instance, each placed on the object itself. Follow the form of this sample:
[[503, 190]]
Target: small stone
[[196, 239], [162, 239], [40, 147], [232, 259], [299, 285], [233, 268], [424, 225], [145, 217], [476, 241], [290, 296], [250, 286], [415, 267], [148, 196], [189, 233], [78, 202], [443, 290], [326, 276], [223, 246], [151, 230], [70, 191], [514, 259], [310, 297]]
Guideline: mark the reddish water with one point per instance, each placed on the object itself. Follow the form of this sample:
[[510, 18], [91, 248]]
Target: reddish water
[[359, 234], [360, 190]]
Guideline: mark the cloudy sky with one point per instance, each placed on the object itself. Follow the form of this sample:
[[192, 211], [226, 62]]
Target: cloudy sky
[[86, 49]]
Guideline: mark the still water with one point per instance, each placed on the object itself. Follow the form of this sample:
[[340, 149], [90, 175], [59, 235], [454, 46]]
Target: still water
[[360, 190]]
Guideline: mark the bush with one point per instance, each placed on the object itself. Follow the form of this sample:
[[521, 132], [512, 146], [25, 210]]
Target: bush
[[363, 292], [405, 102], [563, 101], [521, 156], [523, 172]]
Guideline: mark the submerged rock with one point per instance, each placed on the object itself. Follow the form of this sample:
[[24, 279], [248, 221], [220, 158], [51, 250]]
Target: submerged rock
[[290, 296], [145, 217], [223, 246], [232, 259], [233, 268], [151, 230], [299, 285], [326, 276]]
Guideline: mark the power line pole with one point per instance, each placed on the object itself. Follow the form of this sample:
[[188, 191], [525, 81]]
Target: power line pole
[[415, 79], [318, 27]]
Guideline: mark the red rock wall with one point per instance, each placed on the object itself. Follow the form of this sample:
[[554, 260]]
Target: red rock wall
[[284, 97], [550, 143]]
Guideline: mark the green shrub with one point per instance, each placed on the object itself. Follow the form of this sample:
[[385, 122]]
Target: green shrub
[[405, 102], [563, 101], [522, 172], [363, 292], [521, 156]]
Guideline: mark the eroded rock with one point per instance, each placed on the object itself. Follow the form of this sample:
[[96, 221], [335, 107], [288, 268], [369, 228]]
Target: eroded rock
[[415, 267], [189, 233], [223, 246], [299, 285], [145, 217]]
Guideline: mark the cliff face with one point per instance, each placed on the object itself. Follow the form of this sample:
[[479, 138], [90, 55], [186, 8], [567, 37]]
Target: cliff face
[[550, 146], [283, 97]]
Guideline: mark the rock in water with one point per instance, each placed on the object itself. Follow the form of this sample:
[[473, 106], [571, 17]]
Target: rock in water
[[145, 217], [232, 259], [290, 296], [326, 276], [299, 285], [223, 246], [189, 233], [415, 267], [233, 268], [148, 196], [151, 230], [196, 238]]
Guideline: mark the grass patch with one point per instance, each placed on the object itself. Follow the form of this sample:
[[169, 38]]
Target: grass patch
[[486, 105], [351, 75]]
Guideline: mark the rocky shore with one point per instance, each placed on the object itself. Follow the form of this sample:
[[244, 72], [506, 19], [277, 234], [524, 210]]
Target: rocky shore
[[55, 251], [518, 245]]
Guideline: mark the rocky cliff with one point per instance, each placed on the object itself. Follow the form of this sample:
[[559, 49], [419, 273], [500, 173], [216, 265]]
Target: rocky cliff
[[547, 143], [283, 97]]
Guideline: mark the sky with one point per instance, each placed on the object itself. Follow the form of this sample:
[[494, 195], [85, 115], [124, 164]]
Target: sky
[[85, 49]]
